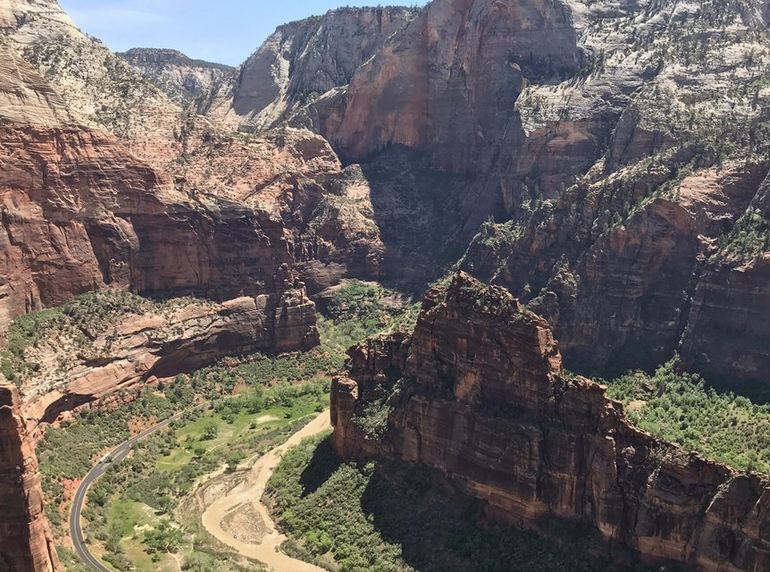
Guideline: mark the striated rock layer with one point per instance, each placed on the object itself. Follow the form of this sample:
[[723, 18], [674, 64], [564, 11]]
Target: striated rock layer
[[79, 213], [173, 338], [25, 540], [478, 393]]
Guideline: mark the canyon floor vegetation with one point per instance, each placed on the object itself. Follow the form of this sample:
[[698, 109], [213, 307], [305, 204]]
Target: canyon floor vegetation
[[357, 517], [235, 410], [681, 408]]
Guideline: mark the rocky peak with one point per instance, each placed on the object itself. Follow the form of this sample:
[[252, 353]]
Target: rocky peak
[[100, 89], [17, 14], [477, 393]]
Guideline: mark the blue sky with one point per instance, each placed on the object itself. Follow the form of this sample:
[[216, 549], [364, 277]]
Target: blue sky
[[225, 31]]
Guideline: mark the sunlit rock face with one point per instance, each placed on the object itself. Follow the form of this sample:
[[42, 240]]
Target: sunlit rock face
[[301, 62]]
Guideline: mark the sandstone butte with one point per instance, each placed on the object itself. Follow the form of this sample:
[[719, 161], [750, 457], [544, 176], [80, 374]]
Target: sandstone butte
[[478, 393]]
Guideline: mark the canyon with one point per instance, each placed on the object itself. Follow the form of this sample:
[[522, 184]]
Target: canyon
[[584, 149], [603, 162]]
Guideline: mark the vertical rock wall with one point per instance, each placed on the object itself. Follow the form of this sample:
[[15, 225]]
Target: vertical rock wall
[[25, 540]]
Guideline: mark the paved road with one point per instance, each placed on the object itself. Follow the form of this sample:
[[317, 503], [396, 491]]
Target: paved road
[[116, 456]]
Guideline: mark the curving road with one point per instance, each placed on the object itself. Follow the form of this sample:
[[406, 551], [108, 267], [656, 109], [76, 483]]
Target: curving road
[[116, 456]]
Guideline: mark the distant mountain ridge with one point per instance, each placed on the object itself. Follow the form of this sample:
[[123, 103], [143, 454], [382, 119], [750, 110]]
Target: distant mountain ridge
[[166, 56], [182, 78]]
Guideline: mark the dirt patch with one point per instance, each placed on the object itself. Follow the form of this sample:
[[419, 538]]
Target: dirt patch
[[218, 487], [245, 524], [139, 424], [636, 405]]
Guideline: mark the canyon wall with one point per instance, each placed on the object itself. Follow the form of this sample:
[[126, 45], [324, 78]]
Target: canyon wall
[[479, 394], [448, 83], [25, 540], [301, 62], [80, 213]]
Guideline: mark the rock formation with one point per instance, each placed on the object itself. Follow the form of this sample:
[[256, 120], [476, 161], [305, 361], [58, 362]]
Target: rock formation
[[180, 77], [478, 393], [25, 540], [99, 88], [160, 341], [80, 213], [448, 84], [301, 62]]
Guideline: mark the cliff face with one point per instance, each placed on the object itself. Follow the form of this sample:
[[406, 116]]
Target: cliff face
[[25, 541], [80, 213], [478, 393], [725, 333], [180, 77], [601, 135], [300, 62], [448, 83]]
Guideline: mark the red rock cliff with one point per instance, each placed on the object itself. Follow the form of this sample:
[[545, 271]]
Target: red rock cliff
[[479, 394], [78, 213], [25, 541]]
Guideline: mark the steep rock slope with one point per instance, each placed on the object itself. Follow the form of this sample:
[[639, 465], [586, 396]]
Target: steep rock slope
[[25, 540], [449, 82], [99, 88], [615, 266], [180, 77], [292, 174], [622, 141], [80, 213], [478, 393], [301, 62], [618, 183], [726, 327]]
